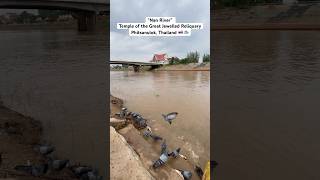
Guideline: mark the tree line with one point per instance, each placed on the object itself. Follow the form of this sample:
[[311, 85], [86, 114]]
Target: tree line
[[192, 57]]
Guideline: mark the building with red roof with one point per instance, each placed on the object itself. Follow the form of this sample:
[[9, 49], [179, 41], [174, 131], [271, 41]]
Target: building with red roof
[[160, 58]]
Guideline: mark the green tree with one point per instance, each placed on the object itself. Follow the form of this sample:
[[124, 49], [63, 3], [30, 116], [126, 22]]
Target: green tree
[[206, 58], [174, 60], [193, 57]]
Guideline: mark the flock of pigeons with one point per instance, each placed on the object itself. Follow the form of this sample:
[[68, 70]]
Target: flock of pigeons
[[140, 123], [56, 165]]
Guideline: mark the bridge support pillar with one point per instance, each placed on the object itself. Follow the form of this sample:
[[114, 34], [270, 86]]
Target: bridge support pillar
[[86, 21], [136, 68]]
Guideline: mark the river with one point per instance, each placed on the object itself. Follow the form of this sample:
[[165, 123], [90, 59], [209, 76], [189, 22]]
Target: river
[[154, 93], [59, 78], [266, 104]]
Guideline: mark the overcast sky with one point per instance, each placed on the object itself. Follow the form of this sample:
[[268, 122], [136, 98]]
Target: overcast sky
[[124, 47]]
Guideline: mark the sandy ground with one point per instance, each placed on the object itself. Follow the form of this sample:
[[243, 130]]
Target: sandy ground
[[18, 135]]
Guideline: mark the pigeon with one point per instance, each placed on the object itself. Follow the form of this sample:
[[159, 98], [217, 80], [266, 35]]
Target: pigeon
[[44, 149], [169, 117], [59, 164], [36, 170], [39, 170], [139, 122], [161, 161], [186, 174], [123, 112], [91, 175], [148, 134], [199, 171], [175, 153], [163, 147], [80, 170], [155, 137]]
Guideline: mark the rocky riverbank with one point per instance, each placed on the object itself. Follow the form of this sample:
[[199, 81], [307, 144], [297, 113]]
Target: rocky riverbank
[[18, 136], [139, 152], [24, 155]]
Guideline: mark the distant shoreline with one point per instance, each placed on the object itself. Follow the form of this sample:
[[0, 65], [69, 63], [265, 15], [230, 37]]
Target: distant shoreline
[[176, 67], [266, 26]]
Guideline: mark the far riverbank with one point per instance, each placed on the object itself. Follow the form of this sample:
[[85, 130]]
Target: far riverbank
[[302, 16], [175, 67]]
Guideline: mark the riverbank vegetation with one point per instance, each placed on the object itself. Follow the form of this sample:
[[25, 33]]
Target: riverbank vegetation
[[192, 57]]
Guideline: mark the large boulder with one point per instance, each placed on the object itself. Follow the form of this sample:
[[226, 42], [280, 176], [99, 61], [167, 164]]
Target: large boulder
[[124, 161]]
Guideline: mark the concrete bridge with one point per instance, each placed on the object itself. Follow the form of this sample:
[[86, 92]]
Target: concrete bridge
[[136, 65], [84, 11]]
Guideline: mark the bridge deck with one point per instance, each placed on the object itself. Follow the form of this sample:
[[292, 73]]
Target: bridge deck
[[136, 63]]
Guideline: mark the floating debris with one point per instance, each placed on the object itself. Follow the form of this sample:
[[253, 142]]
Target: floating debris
[[169, 117]]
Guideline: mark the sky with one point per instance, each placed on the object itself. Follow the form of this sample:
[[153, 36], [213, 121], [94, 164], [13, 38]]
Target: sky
[[125, 47]]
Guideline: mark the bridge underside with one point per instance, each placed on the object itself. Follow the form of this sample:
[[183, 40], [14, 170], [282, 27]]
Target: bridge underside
[[137, 66], [84, 12]]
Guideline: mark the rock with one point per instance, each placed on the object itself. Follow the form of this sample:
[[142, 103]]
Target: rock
[[124, 162], [117, 123]]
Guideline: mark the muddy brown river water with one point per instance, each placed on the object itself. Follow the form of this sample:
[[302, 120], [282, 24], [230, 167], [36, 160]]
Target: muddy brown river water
[[266, 104], [154, 93], [59, 78]]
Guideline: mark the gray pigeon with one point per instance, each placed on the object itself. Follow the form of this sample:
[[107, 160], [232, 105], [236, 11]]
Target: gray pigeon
[[175, 153], [186, 174], [161, 161], [91, 175], [139, 122], [59, 164], [123, 112], [148, 134], [44, 149], [199, 171], [164, 147], [80, 170], [169, 117]]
